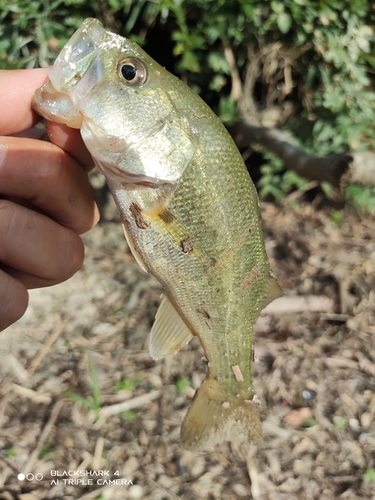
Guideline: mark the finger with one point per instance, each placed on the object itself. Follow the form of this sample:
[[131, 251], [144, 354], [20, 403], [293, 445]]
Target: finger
[[17, 91], [39, 133], [13, 300], [35, 245], [28, 280], [50, 179], [71, 141]]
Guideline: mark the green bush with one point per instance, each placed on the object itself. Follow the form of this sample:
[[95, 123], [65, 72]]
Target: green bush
[[317, 55]]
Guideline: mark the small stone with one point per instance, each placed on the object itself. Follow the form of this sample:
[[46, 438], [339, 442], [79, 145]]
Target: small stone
[[165, 481], [7, 496], [198, 468], [313, 488], [241, 490], [355, 425], [131, 465], [366, 420], [216, 470], [304, 446], [196, 380], [302, 466], [136, 491], [308, 395], [291, 485]]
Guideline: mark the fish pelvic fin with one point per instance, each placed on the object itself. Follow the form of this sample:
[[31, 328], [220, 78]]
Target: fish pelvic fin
[[216, 416]]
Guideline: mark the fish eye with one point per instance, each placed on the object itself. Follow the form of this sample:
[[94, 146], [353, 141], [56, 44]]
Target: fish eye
[[132, 71]]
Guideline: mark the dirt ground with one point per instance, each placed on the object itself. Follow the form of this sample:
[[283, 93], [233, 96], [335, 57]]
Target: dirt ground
[[79, 391]]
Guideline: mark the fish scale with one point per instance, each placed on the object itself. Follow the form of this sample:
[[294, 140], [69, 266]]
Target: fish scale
[[190, 213]]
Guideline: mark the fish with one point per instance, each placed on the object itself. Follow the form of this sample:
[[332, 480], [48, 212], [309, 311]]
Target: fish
[[189, 210]]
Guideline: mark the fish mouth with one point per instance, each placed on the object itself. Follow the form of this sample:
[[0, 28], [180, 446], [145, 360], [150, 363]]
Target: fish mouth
[[55, 106], [56, 103], [76, 71]]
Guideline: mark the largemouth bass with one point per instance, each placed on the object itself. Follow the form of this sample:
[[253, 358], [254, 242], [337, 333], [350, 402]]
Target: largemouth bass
[[189, 209]]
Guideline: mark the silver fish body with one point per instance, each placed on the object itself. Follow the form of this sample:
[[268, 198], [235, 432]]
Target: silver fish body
[[189, 208]]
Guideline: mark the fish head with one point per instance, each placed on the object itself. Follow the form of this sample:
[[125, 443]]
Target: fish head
[[124, 103]]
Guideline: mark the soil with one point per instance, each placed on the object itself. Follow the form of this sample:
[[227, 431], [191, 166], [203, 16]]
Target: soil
[[79, 391]]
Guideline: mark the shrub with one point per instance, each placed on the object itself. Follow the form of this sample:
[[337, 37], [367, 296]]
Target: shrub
[[317, 57]]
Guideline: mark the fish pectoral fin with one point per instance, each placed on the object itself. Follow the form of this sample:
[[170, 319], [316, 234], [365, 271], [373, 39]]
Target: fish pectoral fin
[[134, 251], [169, 332], [272, 291]]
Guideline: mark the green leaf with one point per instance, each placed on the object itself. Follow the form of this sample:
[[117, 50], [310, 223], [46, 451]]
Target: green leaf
[[228, 111], [277, 7], [341, 423], [369, 476], [248, 10], [217, 82], [190, 62], [129, 415], [336, 218], [217, 62], [284, 22], [182, 385], [363, 198]]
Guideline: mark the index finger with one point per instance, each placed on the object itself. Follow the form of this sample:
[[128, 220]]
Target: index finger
[[17, 89], [70, 140], [45, 175]]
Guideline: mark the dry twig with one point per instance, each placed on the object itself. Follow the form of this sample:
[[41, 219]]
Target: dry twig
[[44, 435], [296, 304], [46, 346], [337, 169], [109, 411]]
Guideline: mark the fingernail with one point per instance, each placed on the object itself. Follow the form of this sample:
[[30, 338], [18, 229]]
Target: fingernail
[[3, 152], [96, 215]]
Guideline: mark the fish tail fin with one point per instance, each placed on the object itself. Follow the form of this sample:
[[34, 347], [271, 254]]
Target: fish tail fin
[[216, 416]]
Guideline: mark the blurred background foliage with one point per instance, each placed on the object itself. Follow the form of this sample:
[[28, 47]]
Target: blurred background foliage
[[314, 71]]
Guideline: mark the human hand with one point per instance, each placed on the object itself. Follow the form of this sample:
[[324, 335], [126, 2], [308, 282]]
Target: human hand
[[46, 199]]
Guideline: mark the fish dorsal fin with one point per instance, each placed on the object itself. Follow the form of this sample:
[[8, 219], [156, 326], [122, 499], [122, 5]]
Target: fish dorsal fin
[[169, 332], [272, 291]]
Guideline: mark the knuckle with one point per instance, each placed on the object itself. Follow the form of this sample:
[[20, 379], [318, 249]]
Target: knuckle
[[14, 300], [52, 166], [7, 217], [78, 256], [72, 256]]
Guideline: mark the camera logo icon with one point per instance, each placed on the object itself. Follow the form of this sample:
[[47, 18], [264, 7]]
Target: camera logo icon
[[30, 477]]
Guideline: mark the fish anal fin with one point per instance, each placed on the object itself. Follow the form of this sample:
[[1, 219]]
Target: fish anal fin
[[216, 416], [272, 291], [169, 332]]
